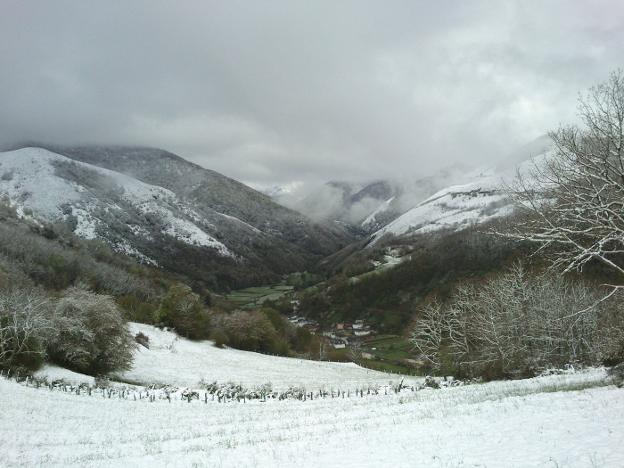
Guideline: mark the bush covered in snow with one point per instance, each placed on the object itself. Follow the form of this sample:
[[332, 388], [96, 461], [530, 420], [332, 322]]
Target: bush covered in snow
[[91, 336], [82, 330]]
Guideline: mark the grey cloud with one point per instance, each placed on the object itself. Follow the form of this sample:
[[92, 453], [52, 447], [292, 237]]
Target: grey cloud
[[278, 91]]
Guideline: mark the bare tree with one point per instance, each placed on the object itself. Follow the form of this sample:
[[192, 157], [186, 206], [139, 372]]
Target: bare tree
[[575, 198], [24, 327], [488, 322], [429, 332], [515, 323]]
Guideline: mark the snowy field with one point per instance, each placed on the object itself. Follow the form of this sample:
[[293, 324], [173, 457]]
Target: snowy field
[[568, 420], [526, 423], [177, 361]]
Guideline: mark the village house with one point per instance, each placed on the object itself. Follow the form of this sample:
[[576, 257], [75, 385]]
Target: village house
[[338, 343], [311, 325]]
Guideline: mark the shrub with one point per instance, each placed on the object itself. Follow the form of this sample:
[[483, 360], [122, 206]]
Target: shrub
[[220, 338], [136, 310], [251, 331], [92, 336], [303, 340], [183, 310]]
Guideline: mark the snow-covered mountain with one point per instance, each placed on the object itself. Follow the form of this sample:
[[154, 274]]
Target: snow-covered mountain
[[479, 198], [165, 211], [368, 206], [406, 193], [325, 203]]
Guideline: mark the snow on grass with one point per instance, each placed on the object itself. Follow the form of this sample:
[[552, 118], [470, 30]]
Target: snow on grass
[[380, 209], [27, 177], [511, 424], [178, 361], [52, 373], [189, 233], [125, 248], [86, 224], [240, 221], [391, 259]]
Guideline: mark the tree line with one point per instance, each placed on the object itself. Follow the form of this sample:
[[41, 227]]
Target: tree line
[[570, 211]]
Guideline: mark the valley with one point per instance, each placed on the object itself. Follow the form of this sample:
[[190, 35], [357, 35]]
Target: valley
[[349, 234], [238, 338]]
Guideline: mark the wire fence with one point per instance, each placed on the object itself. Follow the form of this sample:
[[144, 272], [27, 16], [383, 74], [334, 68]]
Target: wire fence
[[215, 392]]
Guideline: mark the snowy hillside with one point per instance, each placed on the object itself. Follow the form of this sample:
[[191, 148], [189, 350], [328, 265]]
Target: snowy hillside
[[548, 421], [481, 197], [375, 216], [215, 195], [165, 211], [455, 207], [472, 196], [178, 361], [53, 187]]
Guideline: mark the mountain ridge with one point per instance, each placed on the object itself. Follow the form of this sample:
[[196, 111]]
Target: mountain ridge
[[174, 213]]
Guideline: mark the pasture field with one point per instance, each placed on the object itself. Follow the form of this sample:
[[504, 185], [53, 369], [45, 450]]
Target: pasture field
[[254, 297], [570, 420]]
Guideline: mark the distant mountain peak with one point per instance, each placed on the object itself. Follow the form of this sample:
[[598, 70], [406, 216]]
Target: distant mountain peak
[[479, 197]]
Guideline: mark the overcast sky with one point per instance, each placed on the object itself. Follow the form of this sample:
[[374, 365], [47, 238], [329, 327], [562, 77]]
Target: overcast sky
[[272, 92]]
